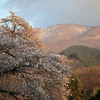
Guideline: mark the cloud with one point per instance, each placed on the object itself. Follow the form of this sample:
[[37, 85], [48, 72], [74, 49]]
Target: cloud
[[85, 4], [43, 13]]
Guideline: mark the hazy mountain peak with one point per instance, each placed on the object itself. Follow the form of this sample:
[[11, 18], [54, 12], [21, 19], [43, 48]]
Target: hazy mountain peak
[[60, 37], [60, 32]]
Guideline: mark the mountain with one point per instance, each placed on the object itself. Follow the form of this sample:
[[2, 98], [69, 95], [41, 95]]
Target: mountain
[[60, 37]]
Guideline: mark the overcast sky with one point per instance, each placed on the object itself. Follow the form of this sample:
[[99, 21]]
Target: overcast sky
[[43, 13]]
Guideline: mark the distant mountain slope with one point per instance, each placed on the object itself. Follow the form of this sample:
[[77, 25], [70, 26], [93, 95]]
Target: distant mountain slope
[[82, 51], [61, 32], [60, 37]]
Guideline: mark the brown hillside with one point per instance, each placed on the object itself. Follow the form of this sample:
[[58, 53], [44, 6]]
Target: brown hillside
[[90, 78], [60, 37]]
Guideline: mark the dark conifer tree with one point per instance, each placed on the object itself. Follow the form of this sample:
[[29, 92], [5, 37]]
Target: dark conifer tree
[[96, 97], [76, 88]]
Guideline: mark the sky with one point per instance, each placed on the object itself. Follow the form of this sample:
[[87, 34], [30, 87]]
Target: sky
[[44, 13]]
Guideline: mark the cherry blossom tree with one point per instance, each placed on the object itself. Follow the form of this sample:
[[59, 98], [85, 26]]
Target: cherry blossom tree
[[22, 57], [15, 25]]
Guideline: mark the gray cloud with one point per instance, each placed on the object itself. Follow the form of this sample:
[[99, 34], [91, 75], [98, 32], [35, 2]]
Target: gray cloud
[[43, 13]]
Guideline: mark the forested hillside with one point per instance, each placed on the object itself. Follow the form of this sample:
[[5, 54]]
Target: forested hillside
[[81, 51], [86, 56]]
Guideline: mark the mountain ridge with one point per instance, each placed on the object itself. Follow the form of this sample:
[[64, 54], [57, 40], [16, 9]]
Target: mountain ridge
[[62, 36]]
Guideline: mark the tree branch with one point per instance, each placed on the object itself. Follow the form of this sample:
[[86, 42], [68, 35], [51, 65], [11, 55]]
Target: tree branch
[[10, 93]]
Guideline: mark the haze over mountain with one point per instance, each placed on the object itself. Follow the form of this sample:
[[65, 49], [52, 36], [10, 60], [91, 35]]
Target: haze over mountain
[[60, 37]]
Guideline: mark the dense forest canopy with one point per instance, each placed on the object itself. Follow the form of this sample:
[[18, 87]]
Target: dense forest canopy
[[81, 51], [86, 56]]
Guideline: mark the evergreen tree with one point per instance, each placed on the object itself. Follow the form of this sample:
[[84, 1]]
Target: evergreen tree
[[96, 97], [76, 88]]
